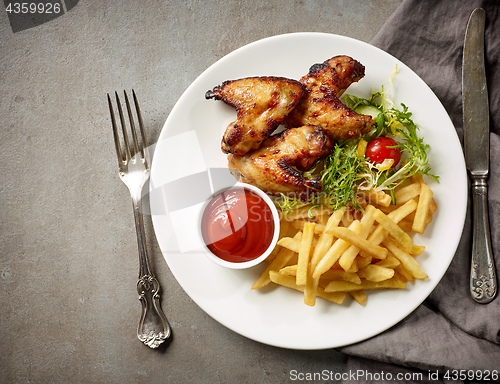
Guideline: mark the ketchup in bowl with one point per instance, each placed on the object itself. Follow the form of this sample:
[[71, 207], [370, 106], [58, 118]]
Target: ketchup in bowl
[[239, 225]]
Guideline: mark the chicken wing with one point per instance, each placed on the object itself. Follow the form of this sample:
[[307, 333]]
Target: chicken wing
[[262, 103], [277, 166], [339, 121], [325, 83], [333, 75]]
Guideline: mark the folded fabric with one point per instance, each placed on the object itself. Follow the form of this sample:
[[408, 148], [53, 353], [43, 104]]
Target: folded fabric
[[450, 330]]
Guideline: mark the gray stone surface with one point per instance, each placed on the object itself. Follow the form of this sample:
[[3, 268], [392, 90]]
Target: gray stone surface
[[68, 252]]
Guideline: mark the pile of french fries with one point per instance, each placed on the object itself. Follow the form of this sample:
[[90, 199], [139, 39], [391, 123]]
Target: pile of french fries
[[334, 254]]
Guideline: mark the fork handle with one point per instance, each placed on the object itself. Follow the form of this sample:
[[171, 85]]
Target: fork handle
[[153, 327]]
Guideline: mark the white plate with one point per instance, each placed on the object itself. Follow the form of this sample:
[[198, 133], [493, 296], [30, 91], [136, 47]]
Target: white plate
[[189, 145]]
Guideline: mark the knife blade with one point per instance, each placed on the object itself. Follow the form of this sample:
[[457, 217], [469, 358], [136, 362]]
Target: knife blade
[[483, 282]]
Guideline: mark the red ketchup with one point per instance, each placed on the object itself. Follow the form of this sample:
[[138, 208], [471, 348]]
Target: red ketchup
[[237, 225]]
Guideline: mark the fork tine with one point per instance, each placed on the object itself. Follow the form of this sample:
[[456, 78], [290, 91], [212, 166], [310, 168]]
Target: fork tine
[[124, 129], [119, 153], [141, 124], [132, 125]]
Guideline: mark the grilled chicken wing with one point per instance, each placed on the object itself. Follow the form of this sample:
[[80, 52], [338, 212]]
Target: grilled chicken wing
[[339, 121], [262, 103], [276, 167], [333, 75], [325, 83]]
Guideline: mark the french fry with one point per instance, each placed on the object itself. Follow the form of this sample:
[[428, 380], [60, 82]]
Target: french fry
[[389, 262], [378, 198], [335, 251], [326, 239], [332, 274], [363, 261], [432, 206], [380, 233], [376, 273], [407, 193], [324, 243], [401, 273], [281, 259], [289, 270], [424, 202], [355, 239], [337, 274], [353, 268], [344, 286], [417, 250], [305, 253], [334, 297], [358, 296], [291, 243], [390, 226], [290, 282], [407, 260], [403, 211], [350, 254]]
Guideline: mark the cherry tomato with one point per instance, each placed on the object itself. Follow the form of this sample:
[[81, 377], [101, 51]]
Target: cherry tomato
[[377, 150]]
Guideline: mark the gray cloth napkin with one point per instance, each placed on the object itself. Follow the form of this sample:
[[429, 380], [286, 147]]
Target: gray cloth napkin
[[449, 331]]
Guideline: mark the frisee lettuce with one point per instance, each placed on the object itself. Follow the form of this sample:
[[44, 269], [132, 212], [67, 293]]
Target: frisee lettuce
[[344, 172]]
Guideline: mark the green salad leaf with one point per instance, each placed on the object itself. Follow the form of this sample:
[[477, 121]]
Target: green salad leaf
[[345, 173]]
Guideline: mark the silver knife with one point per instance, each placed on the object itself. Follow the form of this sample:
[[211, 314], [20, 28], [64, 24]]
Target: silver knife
[[483, 281]]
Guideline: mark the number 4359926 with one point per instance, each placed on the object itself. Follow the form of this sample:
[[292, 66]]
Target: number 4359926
[[471, 374], [22, 8]]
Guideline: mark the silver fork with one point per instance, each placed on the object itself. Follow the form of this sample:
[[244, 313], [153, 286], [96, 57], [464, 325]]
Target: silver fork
[[134, 171]]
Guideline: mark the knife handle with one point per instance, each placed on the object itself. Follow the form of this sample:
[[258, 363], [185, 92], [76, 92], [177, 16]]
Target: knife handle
[[483, 281]]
